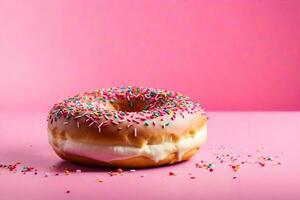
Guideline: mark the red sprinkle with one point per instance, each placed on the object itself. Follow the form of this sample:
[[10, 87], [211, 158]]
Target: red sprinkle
[[172, 173]]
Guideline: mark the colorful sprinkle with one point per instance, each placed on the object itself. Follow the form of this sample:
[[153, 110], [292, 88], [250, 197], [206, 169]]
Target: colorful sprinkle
[[91, 106], [172, 173]]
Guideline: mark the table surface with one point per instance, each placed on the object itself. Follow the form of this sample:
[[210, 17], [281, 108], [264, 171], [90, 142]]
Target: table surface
[[262, 146]]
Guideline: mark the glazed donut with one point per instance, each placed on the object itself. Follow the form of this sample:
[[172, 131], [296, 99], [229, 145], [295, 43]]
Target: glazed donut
[[127, 127]]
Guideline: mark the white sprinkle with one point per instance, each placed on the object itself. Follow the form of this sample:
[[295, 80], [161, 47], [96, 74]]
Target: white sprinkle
[[99, 127], [77, 124], [66, 123], [78, 170], [91, 123], [134, 132], [114, 122], [100, 124]]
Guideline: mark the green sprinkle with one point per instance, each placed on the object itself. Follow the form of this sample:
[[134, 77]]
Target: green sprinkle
[[131, 104], [147, 107], [146, 124], [122, 113], [167, 124], [156, 114], [152, 93]]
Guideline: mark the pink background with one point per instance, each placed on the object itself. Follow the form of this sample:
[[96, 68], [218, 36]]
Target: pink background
[[229, 55]]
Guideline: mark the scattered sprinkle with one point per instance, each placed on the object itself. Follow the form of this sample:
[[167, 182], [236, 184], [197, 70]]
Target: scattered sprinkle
[[172, 173], [99, 180]]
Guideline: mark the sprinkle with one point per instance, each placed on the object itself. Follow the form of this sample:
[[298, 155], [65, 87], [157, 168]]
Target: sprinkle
[[68, 191], [136, 121], [172, 173], [91, 123], [100, 125], [134, 132], [78, 170], [92, 106], [156, 114], [99, 180], [235, 167], [131, 104], [114, 122]]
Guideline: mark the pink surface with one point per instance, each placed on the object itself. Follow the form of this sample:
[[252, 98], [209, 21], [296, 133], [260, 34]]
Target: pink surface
[[23, 138], [230, 55]]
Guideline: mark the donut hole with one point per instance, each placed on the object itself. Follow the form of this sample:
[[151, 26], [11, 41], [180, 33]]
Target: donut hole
[[133, 105]]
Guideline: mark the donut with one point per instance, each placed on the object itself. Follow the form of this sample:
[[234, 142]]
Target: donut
[[127, 126]]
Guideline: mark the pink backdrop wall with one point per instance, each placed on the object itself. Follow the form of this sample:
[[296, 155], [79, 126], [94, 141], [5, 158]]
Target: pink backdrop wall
[[229, 55]]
